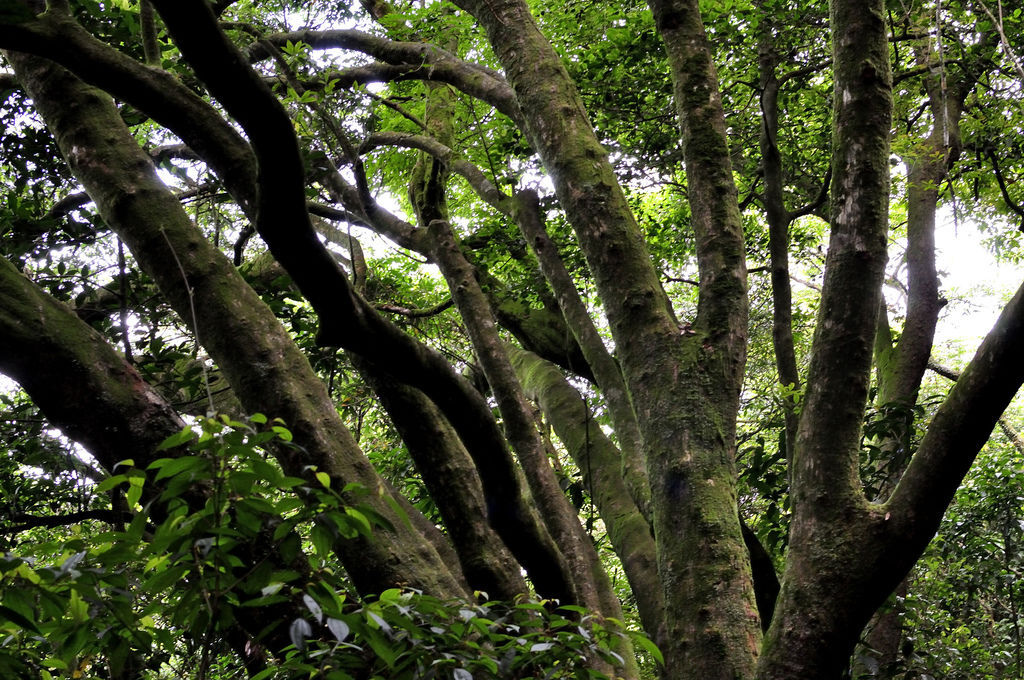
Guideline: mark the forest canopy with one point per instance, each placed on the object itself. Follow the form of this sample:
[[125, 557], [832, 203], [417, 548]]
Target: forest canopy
[[507, 338]]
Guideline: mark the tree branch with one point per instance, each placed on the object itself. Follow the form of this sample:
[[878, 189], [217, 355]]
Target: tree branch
[[959, 429], [33, 521], [483, 187], [160, 95], [473, 79], [416, 313], [1008, 429]]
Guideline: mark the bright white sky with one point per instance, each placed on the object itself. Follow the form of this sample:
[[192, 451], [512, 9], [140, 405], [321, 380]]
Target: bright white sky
[[976, 285]]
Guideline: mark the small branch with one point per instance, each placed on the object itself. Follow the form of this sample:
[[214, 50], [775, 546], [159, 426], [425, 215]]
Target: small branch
[[910, 73], [998, 22], [818, 201], [1009, 430], [804, 282], [672, 279], [483, 187], [431, 62], [415, 313], [182, 151], [329, 212], [1001, 181], [150, 44], [752, 194], [35, 521], [68, 204], [805, 71], [398, 108]]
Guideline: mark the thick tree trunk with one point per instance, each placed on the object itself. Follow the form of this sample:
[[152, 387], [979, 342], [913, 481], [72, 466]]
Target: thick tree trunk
[[96, 398], [264, 367], [824, 604], [901, 367], [451, 478], [580, 559], [685, 389], [591, 587]]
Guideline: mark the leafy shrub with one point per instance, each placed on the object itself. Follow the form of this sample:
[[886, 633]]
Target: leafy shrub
[[222, 535]]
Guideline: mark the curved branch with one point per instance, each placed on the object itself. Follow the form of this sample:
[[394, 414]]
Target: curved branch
[[959, 429], [416, 313], [200, 283], [158, 93], [478, 81], [34, 521], [347, 319], [818, 201], [484, 188], [1001, 181], [1011, 432]]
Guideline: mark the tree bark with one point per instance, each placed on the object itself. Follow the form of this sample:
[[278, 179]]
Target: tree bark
[[599, 461], [590, 586], [452, 482], [686, 388], [824, 604], [261, 363]]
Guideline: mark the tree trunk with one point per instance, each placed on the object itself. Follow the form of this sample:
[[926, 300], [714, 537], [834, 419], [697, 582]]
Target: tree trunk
[[823, 605], [264, 367]]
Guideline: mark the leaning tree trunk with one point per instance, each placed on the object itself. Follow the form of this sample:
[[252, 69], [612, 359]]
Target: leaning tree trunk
[[262, 364]]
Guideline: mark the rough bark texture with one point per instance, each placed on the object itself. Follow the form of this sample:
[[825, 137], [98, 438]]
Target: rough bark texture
[[520, 429], [65, 365], [686, 389], [604, 367], [724, 628], [901, 366], [599, 460], [99, 400], [264, 367], [832, 523], [346, 318], [590, 586], [450, 477]]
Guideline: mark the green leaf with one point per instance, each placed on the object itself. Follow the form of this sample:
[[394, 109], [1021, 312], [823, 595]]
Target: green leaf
[[185, 436], [54, 662], [179, 465], [111, 482], [19, 619], [134, 492], [78, 608], [264, 601], [322, 540], [643, 642]]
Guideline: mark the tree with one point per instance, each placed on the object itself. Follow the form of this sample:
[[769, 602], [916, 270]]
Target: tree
[[476, 106]]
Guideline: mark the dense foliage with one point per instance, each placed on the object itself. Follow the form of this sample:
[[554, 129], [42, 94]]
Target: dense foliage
[[580, 353]]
